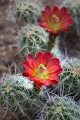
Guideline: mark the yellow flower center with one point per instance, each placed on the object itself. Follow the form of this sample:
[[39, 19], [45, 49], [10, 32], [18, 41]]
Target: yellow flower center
[[54, 24], [41, 72]]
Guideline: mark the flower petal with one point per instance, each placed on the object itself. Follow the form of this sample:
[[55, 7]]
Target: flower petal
[[54, 61], [25, 74], [53, 69], [26, 65], [48, 9], [46, 17], [55, 11], [31, 78], [55, 82], [30, 56], [39, 57], [42, 23], [43, 61], [30, 72], [63, 11], [52, 31], [38, 84], [48, 12], [47, 82], [65, 21], [53, 76], [35, 64], [59, 70], [48, 56]]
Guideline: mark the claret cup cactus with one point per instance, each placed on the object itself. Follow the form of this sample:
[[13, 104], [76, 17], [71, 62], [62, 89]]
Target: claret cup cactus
[[60, 108]]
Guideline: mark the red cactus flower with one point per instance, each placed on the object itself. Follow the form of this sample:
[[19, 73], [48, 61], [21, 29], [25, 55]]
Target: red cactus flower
[[43, 69], [55, 20]]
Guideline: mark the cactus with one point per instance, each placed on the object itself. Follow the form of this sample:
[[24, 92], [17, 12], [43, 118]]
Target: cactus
[[27, 11], [60, 108], [56, 51], [70, 76], [17, 97], [32, 39]]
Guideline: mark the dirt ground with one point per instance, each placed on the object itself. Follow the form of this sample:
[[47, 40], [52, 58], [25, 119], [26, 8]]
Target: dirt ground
[[9, 58]]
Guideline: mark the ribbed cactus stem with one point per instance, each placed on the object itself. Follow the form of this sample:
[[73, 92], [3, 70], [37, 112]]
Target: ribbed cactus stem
[[70, 77], [60, 108], [27, 12], [32, 39], [15, 91], [51, 42]]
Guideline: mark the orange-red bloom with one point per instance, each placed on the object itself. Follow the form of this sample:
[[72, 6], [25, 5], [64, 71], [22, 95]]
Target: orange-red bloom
[[43, 69], [55, 20]]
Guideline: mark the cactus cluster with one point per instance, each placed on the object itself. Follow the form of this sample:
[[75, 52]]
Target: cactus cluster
[[14, 92], [27, 11], [32, 39], [60, 108], [70, 76]]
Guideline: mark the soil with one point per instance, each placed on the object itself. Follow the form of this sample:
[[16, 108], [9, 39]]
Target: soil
[[8, 31]]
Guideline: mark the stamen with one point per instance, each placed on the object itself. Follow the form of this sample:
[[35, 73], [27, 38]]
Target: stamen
[[55, 19], [41, 68]]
